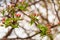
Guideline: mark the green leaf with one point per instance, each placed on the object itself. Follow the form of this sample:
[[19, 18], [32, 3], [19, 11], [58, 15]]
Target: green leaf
[[33, 19], [8, 22], [14, 25], [3, 11], [21, 7], [16, 19], [43, 29], [12, 12], [26, 4], [31, 22]]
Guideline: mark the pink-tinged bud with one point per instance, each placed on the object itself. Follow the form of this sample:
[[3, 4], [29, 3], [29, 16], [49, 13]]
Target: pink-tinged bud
[[3, 20], [35, 14], [58, 22], [12, 5], [18, 15], [21, 0]]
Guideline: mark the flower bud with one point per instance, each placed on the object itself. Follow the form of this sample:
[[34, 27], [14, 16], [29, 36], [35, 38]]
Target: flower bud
[[18, 15], [3, 20]]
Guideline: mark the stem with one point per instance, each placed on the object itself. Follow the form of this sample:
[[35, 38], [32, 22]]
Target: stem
[[9, 32]]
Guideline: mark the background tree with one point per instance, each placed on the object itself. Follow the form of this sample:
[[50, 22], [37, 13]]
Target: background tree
[[16, 12]]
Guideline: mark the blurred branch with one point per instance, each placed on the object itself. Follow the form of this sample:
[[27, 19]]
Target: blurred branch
[[7, 34], [46, 10], [56, 10]]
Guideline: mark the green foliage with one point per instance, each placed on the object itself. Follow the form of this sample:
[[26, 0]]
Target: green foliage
[[12, 12], [26, 4], [33, 19], [31, 22], [16, 19], [3, 11], [43, 29], [22, 7], [14, 25], [9, 22], [11, 19]]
